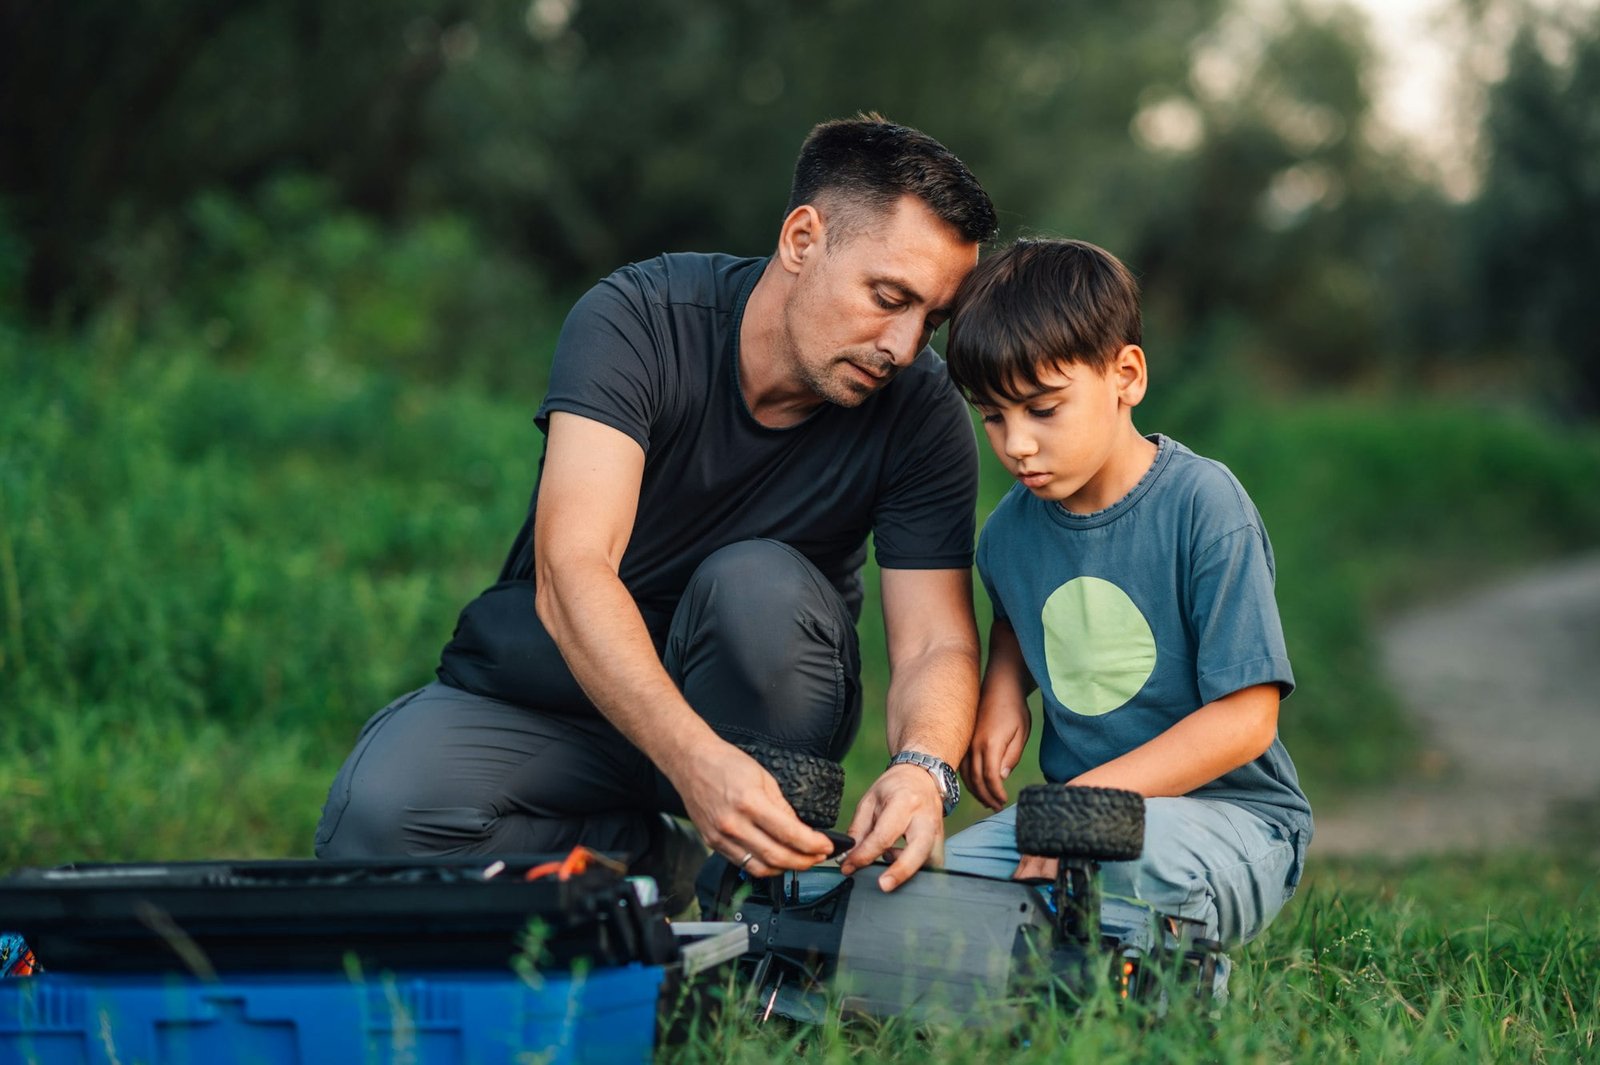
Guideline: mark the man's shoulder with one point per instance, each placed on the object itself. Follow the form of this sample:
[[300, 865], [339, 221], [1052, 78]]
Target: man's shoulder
[[695, 279]]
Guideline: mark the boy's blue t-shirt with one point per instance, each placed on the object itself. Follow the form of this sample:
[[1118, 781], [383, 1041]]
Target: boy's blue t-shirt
[[1133, 617]]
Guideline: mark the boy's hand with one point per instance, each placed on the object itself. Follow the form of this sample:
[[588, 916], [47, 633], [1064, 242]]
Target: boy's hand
[[997, 743]]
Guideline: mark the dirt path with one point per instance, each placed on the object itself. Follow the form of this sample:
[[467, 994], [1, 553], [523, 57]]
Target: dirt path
[[1505, 687]]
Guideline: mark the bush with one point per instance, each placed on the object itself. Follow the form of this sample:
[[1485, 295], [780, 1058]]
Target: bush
[[287, 278]]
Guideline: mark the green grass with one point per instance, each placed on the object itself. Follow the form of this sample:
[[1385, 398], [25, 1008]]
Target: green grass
[[1446, 960]]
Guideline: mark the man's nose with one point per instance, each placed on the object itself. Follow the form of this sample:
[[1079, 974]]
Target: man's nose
[[904, 339]]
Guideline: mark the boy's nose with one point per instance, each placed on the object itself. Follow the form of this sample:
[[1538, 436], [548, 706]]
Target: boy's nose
[[1019, 445]]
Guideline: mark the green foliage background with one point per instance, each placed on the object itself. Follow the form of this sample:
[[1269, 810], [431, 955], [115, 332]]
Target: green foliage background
[[231, 531], [279, 281]]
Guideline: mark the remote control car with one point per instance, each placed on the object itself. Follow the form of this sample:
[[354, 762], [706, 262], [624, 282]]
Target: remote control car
[[950, 947]]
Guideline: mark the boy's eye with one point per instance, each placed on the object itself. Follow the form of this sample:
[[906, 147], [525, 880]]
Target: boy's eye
[[990, 418], [1041, 412]]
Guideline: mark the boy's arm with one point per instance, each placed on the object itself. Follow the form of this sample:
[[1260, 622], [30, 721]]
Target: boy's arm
[[1004, 719], [1217, 738]]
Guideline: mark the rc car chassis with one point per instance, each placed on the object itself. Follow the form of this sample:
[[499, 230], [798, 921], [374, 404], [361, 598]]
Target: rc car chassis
[[953, 947]]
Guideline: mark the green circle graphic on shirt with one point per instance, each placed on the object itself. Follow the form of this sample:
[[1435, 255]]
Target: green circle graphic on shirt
[[1098, 647]]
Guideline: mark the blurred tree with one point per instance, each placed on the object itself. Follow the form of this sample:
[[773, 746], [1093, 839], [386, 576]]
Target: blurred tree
[[599, 131], [1276, 223], [119, 113], [1536, 259], [585, 132], [1224, 157]]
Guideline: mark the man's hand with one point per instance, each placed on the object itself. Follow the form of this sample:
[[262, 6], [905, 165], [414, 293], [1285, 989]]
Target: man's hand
[[997, 743], [739, 810], [903, 802]]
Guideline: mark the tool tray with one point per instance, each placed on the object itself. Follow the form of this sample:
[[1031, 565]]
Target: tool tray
[[214, 917]]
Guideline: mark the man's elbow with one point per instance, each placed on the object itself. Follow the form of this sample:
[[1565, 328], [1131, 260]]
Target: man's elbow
[[546, 589], [543, 602], [562, 576]]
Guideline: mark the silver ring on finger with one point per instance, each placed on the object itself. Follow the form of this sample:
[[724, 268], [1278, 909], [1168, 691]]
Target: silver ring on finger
[[748, 856]]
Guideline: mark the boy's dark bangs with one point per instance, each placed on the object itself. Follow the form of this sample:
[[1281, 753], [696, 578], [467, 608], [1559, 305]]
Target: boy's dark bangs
[[999, 344], [1005, 364]]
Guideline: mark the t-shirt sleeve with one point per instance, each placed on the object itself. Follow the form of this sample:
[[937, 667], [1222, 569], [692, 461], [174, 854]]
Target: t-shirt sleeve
[[606, 365], [926, 515], [985, 549], [1238, 632]]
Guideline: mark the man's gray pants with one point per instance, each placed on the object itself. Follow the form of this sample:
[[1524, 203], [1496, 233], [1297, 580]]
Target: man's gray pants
[[761, 645]]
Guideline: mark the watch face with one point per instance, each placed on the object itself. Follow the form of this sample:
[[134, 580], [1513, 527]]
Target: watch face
[[952, 787]]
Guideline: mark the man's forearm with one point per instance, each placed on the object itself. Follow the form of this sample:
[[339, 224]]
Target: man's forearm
[[596, 624], [932, 703]]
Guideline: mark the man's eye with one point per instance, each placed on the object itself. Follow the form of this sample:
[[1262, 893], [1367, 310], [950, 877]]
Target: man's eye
[[886, 303]]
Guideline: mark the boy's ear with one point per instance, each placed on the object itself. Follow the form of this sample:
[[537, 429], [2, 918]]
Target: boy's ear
[[800, 237], [1132, 374]]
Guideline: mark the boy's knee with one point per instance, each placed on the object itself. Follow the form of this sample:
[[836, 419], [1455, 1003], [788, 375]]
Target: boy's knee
[[987, 848], [1169, 884], [1208, 861]]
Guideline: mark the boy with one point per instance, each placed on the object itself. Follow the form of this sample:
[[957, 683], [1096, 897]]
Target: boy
[[1132, 582]]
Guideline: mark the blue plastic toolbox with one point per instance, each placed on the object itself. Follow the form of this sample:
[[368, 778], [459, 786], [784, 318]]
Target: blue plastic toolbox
[[280, 962], [605, 1015]]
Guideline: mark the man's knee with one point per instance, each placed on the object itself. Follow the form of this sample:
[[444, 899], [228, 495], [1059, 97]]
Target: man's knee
[[765, 648], [767, 585]]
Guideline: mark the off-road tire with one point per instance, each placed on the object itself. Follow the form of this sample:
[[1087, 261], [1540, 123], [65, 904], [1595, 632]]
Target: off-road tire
[[1101, 824], [814, 786]]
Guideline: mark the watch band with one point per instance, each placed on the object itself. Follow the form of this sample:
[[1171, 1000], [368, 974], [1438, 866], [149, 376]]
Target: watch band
[[945, 777]]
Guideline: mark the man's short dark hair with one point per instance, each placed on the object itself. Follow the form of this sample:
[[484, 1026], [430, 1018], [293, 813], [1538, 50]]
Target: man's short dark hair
[[1038, 304], [855, 169]]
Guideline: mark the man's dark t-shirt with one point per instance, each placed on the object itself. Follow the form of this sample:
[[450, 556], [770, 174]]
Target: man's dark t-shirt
[[652, 351]]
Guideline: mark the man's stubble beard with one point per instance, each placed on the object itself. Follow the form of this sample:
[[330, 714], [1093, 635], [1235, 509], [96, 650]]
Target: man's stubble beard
[[824, 381]]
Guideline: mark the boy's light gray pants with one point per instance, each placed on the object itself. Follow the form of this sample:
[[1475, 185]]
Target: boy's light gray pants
[[761, 645], [1203, 859]]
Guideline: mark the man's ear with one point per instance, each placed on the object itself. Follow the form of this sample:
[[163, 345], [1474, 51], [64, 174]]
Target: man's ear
[[1132, 374], [801, 237]]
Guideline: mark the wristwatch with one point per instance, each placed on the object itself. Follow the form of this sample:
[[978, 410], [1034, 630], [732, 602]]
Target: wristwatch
[[945, 777]]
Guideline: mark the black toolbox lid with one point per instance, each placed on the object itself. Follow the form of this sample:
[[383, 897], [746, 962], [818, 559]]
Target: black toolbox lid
[[258, 916]]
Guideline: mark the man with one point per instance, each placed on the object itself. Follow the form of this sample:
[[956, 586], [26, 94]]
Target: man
[[721, 437]]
